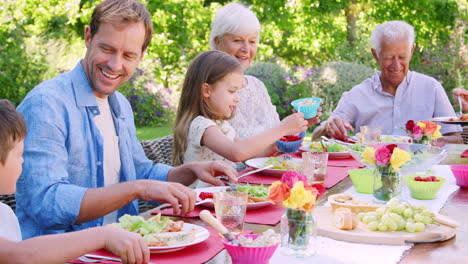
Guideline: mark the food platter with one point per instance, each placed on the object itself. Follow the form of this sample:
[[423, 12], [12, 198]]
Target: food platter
[[332, 155], [361, 234], [260, 163], [210, 204], [446, 120], [201, 234]]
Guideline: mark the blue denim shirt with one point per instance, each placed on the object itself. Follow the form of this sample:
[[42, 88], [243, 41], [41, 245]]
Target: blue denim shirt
[[63, 154]]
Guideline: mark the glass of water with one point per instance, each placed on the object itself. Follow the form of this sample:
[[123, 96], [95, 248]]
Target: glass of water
[[370, 134], [230, 208], [315, 166]]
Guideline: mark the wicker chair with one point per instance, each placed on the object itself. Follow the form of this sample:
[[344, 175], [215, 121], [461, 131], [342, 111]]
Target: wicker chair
[[9, 200], [158, 150], [465, 134]]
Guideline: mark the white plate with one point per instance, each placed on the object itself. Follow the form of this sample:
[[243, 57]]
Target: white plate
[[201, 234], [332, 155], [250, 206], [260, 163], [445, 120]]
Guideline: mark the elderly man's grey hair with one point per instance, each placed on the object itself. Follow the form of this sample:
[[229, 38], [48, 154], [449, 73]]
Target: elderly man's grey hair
[[391, 31], [233, 18]]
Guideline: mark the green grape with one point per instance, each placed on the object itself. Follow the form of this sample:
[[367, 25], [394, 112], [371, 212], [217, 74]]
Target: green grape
[[373, 226], [395, 217], [393, 202], [410, 227], [420, 207], [361, 216], [385, 219], [369, 218], [392, 225], [374, 214], [418, 218], [382, 227], [419, 227], [408, 212], [401, 224], [410, 220], [380, 211], [400, 209], [427, 212], [426, 220]]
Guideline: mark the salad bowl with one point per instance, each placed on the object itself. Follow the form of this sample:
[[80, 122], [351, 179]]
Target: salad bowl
[[423, 156]]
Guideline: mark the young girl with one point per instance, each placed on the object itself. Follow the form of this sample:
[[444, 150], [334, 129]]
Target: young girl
[[209, 97]]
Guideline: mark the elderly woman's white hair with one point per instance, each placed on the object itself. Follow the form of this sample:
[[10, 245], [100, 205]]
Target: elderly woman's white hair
[[233, 18], [391, 31]]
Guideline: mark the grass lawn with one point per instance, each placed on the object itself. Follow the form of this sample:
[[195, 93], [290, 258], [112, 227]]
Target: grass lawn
[[147, 133]]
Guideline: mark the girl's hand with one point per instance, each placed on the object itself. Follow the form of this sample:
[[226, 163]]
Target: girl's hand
[[293, 124], [129, 246]]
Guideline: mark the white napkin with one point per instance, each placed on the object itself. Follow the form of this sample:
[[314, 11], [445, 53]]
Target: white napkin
[[330, 251]]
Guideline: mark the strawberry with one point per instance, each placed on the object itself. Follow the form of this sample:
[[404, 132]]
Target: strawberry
[[418, 178], [291, 138]]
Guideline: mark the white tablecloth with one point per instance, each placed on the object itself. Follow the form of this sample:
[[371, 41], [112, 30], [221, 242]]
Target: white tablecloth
[[330, 251]]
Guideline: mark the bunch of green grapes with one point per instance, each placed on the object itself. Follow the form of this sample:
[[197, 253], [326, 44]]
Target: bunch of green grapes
[[398, 216]]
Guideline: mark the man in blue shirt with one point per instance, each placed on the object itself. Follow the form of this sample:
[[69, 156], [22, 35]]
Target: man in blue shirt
[[83, 165]]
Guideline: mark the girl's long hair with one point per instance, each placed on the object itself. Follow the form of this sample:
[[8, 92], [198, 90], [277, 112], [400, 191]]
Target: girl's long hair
[[208, 67]]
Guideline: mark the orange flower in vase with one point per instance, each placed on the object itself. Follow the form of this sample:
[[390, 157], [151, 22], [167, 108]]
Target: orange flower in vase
[[422, 132]]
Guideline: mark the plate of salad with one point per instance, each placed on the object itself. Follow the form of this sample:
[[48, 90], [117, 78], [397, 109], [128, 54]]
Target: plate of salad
[[257, 195], [335, 150], [163, 234], [280, 165]]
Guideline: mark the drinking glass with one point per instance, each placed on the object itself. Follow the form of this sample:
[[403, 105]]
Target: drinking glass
[[315, 166], [230, 208], [370, 134]]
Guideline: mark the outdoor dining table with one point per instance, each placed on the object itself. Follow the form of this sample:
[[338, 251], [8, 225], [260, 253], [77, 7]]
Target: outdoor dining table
[[454, 250]]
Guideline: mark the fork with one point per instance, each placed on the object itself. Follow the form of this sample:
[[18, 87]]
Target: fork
[[98, 258]]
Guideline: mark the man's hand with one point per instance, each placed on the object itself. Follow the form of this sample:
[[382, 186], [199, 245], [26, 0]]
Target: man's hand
[[337, 128], [169, 192]]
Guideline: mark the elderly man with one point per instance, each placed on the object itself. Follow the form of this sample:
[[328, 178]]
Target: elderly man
[[83, 165], [394, 95]]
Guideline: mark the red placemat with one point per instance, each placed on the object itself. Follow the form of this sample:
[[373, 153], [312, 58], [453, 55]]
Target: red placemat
[[198, 253], [334, 176], [465, 154], [268, 215]]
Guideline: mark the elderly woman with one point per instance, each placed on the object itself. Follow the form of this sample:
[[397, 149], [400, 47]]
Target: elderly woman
[[236, 31]]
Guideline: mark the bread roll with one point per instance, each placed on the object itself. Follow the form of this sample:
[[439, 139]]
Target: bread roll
[[344, 219]]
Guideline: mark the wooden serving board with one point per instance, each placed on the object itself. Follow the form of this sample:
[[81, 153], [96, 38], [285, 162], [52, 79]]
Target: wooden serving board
[[361, 234]]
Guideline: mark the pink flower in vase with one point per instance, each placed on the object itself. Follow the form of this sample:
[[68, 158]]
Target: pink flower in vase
[[417, 133], [382, 156], [291, 177]]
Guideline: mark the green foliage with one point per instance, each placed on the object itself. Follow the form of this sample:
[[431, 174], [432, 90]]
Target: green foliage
[[40, 38], [332, 79], [151, 102]]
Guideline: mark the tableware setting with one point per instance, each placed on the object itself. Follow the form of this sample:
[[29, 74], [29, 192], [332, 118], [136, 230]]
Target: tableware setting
[[333, 153], [451, 120], [280, 165], [290, 144], [461, 175], [363, 180], [209, 202]]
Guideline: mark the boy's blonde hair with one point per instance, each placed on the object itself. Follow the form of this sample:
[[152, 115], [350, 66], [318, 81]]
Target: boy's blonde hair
[[208, 67], [12, 128], [122, 12]]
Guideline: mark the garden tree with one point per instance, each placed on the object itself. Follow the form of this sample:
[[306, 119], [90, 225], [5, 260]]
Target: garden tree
[[40, 38]]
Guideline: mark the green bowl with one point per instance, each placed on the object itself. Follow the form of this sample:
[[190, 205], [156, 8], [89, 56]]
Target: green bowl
[[423, 190], [363, 180]]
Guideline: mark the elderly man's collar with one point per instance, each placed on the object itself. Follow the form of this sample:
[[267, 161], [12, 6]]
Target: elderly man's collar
[[377, 84]]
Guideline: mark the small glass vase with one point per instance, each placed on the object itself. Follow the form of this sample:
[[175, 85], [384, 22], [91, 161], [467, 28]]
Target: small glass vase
[[387, 184], [298, 233]]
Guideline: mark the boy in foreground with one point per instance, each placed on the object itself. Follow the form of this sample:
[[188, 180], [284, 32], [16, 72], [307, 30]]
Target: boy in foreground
[[58, 248]]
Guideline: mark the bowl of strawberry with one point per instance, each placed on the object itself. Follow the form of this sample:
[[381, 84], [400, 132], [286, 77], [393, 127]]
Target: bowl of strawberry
[[423, 187], [290, 144]]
